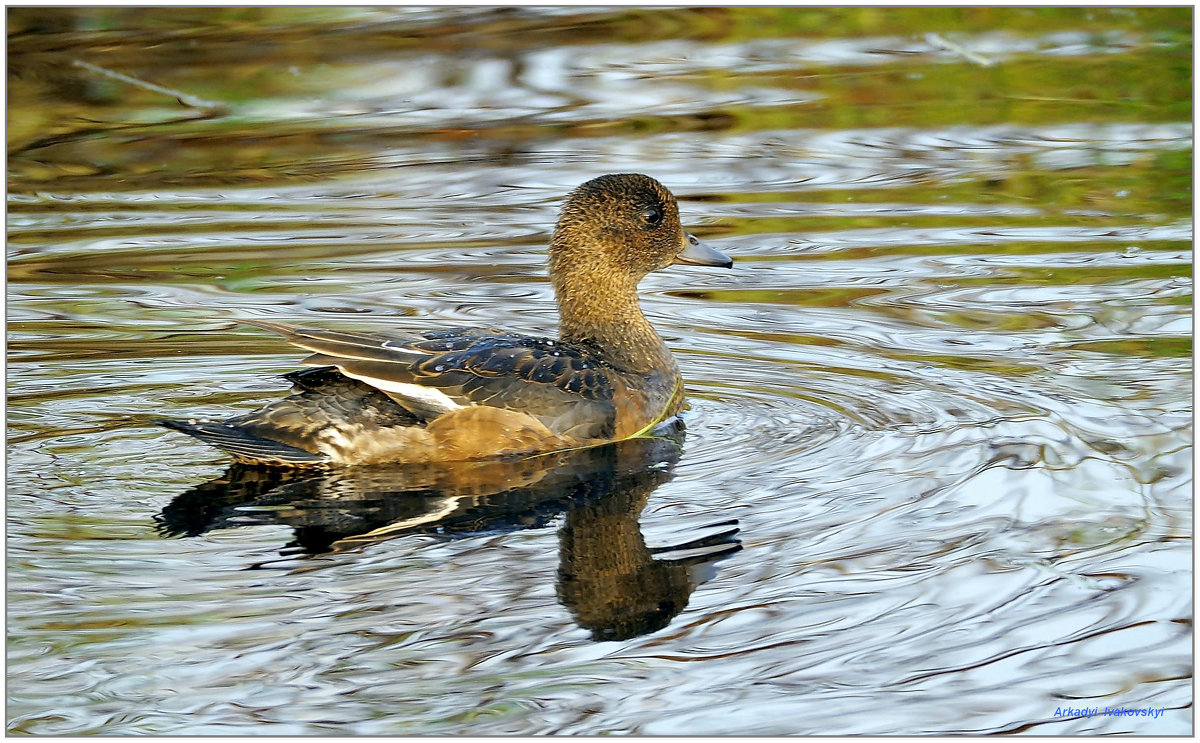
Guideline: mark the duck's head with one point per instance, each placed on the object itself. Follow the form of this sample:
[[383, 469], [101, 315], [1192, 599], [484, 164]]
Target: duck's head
[[626, 224]]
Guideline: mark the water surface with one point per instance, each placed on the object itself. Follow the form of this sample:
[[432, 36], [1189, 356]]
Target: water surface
[[942, 403]]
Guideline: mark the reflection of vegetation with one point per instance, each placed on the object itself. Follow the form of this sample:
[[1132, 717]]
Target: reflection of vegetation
[[375, 26], [1171, 182], [1078, 275], [1004, 367], [287, 72], [829, 296], [1158, 182], [1027, 91], [1162, 347]]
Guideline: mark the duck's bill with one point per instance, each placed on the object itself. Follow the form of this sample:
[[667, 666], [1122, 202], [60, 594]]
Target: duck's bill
[[696, 253]]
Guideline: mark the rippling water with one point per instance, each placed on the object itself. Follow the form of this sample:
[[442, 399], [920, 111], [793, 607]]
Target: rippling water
[[942, 403]]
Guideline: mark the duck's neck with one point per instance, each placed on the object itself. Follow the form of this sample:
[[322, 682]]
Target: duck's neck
[[603, 311]]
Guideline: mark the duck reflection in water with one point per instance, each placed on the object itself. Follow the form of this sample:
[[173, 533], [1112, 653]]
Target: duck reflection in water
[[612, 583]]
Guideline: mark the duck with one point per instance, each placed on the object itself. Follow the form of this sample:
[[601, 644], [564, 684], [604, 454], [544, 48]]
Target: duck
[[465, 394]]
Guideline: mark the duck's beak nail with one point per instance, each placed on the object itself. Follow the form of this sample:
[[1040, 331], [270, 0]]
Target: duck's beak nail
[[697, 253]]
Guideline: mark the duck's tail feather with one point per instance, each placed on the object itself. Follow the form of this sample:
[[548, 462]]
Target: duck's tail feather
[[244, 446]]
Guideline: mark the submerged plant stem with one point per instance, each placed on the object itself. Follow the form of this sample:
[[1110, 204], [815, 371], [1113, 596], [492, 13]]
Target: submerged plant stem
[[190, 101]]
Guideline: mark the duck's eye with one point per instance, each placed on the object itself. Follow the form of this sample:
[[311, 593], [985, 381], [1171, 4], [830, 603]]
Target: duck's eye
[[653, 216]]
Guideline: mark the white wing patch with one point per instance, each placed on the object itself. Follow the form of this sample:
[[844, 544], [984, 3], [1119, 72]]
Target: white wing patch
[[426, 402]]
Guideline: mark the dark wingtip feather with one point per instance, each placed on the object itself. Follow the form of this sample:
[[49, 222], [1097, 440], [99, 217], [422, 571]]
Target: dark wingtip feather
[[245, 447], [316, 378]]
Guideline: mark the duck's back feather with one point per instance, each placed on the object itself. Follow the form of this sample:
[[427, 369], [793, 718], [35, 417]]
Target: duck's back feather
[[563, 385]]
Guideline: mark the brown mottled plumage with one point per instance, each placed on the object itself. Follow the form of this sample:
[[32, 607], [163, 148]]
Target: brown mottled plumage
[[465, 394]]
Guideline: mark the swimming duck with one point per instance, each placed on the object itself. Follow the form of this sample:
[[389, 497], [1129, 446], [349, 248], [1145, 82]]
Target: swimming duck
[[470, 393]]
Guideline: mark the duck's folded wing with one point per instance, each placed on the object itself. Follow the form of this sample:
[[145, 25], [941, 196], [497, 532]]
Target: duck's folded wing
[[431, 374]]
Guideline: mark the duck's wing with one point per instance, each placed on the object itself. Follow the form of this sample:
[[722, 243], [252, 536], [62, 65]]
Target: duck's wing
[[562, 384]]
